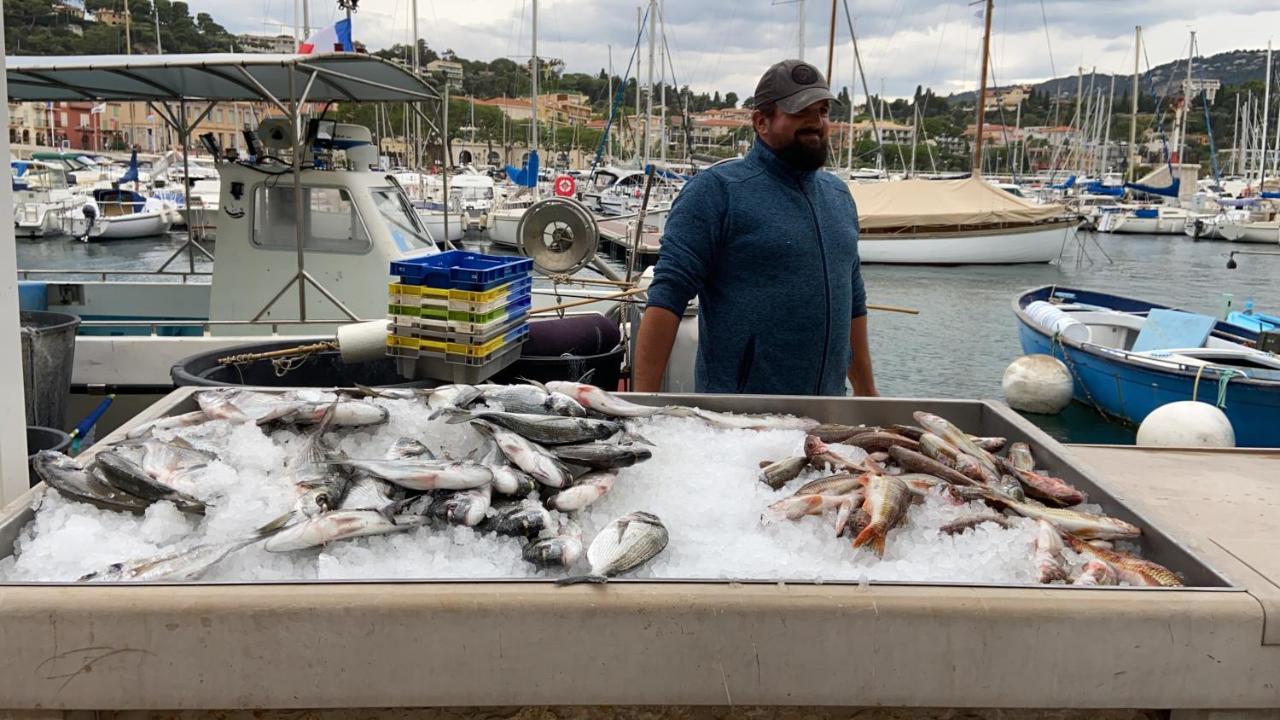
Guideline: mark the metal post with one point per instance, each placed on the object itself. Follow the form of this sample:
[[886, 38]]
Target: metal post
[[186, 182], [862, 73], [13, 428], [662, 81], [533, 91], [648, 105], [448, 159], [297, 192], [831, 44], [417, 68], [800, 29]]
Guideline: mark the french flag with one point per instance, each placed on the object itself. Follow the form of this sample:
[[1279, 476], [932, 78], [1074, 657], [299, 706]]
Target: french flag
[[335, 38]]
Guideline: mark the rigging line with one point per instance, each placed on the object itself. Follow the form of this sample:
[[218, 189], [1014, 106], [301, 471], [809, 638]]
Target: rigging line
[[946, 19]]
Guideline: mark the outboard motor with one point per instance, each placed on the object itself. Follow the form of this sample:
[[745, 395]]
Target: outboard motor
[[90, 212]]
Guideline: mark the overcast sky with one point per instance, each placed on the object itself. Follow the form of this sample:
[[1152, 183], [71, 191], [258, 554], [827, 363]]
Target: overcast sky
[[725, 44]]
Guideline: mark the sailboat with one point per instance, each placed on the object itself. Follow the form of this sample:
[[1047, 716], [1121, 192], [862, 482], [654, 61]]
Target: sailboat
[[118, 213], [957, 222]]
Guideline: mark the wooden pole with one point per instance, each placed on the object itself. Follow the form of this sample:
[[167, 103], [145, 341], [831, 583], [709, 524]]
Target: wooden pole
[[831, 42], [982, 91]]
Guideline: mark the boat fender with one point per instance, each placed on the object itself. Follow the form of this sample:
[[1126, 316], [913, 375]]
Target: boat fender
[[362, 342], [1187, 423], [1037, 384]]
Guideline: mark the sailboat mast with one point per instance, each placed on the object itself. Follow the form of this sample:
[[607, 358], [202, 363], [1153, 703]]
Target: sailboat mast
[[1133, 106], [982, 91], [1266, 106], [533, 87], [417, 70], [662, 84], [648, 103], [1235, 139], [800, 29], [1106, 135], [1186, 102]]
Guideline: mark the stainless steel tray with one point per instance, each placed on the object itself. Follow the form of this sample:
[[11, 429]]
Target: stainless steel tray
[[977, 417]]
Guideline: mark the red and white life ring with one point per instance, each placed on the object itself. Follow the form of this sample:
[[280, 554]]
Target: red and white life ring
[[565, 186]]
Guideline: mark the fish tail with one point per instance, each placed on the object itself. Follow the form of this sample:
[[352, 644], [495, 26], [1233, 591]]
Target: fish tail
[[871, 534], [579, 579], [276, 525]]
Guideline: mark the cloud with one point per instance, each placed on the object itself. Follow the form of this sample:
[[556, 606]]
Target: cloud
[[725, 44]]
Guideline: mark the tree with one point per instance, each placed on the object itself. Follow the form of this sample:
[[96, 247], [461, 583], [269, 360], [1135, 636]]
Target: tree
[[731, 99]]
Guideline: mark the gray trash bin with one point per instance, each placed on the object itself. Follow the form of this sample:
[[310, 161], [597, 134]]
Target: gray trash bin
[[48, 351]]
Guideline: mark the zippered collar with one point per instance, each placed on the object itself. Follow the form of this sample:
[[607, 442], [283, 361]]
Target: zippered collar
[[766, 157]]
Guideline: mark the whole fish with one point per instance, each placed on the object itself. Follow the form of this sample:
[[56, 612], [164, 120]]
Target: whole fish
[[886, 502], [942, 428], [528, 456], [1050, 565], [338, 525], [415, 474], [602, 455], [1129, 568], [507, 480], [344, 414], [915, 462], [585, 491], [880, 441], [597, 400], [238, 405], [524, 519], [320, 486], [464, 507], [777, 474], [934, 447], [841, 484], [71, 480], [956, 527], [126, 476], [543, 429], [1020, 456], [560, 551], [1044, 487], [837, 457], [798, 506], [836, 433], [175, 463], [531, 400], [623, 545], [739, 421], [172, 422], [452, 396], [990, 444], [1097, 572], [179, 565], [1081, 525]]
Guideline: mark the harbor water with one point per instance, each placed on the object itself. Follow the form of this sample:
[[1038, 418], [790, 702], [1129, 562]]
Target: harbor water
[[966, 333]]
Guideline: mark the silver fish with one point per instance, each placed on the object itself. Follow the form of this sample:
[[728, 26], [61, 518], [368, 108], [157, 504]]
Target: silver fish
[[524, 519], [585, 491], [737, 421], [561, 404], [452, 396], [561, 551], [507, 480], [369, 493], [320, 486], [67, 477], [126, 476], [464, 507], [605, 403], [528, 456], [345, 414], [168, 423], [237, 405], [421, 474], [1078, 524], [339, 525], [602, 455], [543, 429], [623, 545], [530, 399], [179, 565], [777, 474]]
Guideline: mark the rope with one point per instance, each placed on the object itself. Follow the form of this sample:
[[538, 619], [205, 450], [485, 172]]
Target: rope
[[1195, 389], [1075, 375], [1224, 378]]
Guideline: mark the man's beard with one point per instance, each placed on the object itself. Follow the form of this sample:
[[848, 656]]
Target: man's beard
[[802, 156]]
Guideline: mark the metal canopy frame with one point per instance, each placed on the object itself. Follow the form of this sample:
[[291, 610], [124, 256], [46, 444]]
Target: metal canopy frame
[[214, 78]]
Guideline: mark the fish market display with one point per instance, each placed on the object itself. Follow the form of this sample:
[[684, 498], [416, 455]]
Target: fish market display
[[562, 481]]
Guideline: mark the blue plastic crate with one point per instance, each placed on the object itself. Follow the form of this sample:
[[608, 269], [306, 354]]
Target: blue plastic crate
[[461, 270]]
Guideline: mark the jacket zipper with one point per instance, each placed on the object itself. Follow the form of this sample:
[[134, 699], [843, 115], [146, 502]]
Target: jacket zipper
[[826, 289]]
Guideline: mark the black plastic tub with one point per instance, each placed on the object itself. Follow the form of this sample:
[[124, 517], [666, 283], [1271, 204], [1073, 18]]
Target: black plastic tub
[[324, 369]]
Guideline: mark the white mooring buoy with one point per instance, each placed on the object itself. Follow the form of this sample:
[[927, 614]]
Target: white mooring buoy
[[1037, 384], [1187, 423]]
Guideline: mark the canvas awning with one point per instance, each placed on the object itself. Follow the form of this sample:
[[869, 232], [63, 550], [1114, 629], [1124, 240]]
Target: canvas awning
[[943, 203], [343, 77]]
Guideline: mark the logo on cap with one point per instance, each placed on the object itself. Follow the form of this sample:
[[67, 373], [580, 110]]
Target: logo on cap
[[803, 75]]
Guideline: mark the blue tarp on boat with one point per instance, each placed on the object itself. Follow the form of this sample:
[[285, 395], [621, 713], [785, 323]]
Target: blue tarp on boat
[[1170, 190], [527, 176]]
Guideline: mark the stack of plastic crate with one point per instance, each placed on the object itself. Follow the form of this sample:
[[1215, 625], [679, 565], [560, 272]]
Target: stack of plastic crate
[[458, 316]]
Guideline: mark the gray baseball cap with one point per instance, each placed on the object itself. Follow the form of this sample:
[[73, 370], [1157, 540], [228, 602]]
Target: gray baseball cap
[[793, 84]]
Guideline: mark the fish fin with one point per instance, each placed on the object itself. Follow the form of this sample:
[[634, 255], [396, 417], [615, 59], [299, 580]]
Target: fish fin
[[534, 383], [578, 579], [586, 377], [276, 525], [843, 514], [452, 415], [868, 534]]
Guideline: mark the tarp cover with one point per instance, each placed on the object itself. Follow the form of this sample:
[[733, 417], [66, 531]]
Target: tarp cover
[[943, 203]]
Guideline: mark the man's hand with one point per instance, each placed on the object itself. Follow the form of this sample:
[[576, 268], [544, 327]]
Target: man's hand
[[653, 348], [860, 374]]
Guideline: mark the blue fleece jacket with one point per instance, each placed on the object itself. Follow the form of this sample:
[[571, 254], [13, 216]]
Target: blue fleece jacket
[[772, 254]]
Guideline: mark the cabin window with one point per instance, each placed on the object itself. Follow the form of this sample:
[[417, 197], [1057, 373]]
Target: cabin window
[[331, 223]]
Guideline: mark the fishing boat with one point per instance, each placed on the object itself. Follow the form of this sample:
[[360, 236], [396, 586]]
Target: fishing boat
[[955, 222], [1129, 357], [45, 205]]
